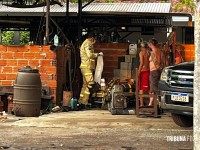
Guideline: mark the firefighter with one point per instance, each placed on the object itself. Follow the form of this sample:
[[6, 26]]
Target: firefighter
[[87, 67]]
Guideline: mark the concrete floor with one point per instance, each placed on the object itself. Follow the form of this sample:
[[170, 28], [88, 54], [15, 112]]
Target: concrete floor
[[92, 130]]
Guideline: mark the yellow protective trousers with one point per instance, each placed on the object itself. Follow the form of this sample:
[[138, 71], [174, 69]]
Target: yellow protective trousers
[[87, 80]]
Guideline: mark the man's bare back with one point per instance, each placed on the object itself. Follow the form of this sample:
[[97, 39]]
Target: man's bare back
[[144, 60]]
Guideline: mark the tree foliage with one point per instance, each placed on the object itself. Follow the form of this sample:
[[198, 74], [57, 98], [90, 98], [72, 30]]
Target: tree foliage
[[24, 37], [8, 37]]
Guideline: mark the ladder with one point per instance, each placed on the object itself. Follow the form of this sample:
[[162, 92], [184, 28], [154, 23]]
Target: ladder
[[146, 110]]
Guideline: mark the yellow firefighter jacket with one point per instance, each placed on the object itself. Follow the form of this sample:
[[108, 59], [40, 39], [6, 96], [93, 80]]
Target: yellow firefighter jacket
[[87, 55]]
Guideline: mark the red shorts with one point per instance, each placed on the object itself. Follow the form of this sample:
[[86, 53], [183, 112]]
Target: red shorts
[[144, 81]]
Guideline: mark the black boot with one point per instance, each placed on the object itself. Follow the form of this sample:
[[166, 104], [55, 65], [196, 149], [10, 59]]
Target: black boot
[[81, 107]]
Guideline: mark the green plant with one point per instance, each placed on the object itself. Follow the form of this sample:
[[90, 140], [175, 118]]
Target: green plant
[[7, 37], [189, 3], [24, 37]]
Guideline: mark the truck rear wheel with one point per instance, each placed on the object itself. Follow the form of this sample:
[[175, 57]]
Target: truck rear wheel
[[183, 120]]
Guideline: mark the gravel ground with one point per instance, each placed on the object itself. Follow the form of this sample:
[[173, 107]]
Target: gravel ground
[[93, 130]]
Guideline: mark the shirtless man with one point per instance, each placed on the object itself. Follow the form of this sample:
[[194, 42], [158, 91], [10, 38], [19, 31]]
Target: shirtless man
[[155, 63], [144, 70]]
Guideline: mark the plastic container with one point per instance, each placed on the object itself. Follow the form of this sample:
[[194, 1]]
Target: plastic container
[[27, 93], [56, 40]]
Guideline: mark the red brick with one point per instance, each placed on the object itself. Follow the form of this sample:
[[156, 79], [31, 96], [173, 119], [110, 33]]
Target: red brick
[[0, 55], [22, 49], [44, 76], [50, 56], [35, 49], [6, 83], [39, 56], [52, 83], [52, 77], [46, 49], [12, 48], [51, 70], [52, 91], [11, 76], [15, 69], [44, 83], [3, 48], [42, 70], [18, 55], [29, 55], [3, 62], [45, 63], [22, 63], [12, 62], [34, 63], [2, 76], [7, 55], [7, 69]]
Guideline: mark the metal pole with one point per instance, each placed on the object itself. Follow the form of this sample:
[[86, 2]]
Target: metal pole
[[47, 20], [79, 21], [67, 12]]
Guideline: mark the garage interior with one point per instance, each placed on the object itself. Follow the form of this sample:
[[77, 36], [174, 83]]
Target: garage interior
[[115, 30]]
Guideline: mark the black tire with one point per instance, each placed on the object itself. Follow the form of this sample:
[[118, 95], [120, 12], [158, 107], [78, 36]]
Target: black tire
[[183, 120]]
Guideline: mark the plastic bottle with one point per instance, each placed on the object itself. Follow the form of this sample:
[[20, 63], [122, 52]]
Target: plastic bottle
[[56, 40], [44, 40]]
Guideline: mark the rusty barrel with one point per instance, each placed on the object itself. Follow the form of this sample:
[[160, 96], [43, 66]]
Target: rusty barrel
[[27, 92]]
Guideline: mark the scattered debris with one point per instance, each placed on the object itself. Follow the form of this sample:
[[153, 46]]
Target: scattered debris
[[3, 116], [56, 109], [4, 146]]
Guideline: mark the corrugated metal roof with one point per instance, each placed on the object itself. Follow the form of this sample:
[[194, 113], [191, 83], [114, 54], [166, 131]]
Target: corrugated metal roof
[[93, 7], [129, 7]]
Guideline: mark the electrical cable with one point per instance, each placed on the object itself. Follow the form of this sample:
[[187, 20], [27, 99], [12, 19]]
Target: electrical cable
[[68, 43], [39, 28]]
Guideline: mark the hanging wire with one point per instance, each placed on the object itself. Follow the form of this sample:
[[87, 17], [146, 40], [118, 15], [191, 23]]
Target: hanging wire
[[39, 28]]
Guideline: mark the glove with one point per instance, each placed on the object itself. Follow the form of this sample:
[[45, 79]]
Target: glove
[[100, 54]]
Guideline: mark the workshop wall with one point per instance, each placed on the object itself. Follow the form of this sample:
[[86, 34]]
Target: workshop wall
[[189, 51], [111, 53], [42, 58]]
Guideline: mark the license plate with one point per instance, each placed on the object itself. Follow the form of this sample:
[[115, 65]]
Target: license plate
[[179, 97]]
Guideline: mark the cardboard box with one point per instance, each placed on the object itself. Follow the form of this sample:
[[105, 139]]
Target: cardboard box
[[125, 74], [128, 58], [133, 56], [125, 66], [116, 73]]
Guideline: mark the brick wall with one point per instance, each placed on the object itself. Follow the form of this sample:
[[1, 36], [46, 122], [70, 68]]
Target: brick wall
[[14, 57], [111, 53]]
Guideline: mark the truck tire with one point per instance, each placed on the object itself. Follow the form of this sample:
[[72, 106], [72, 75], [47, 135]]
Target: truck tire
[[183, 120]]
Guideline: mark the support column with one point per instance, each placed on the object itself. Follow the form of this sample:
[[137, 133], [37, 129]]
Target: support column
[[47, 20]]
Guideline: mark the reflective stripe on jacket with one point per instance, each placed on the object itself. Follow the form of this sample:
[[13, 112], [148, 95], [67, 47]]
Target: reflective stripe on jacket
[[87, 55]]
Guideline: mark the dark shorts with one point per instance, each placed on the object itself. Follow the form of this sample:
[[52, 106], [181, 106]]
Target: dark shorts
[[154, 79]]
